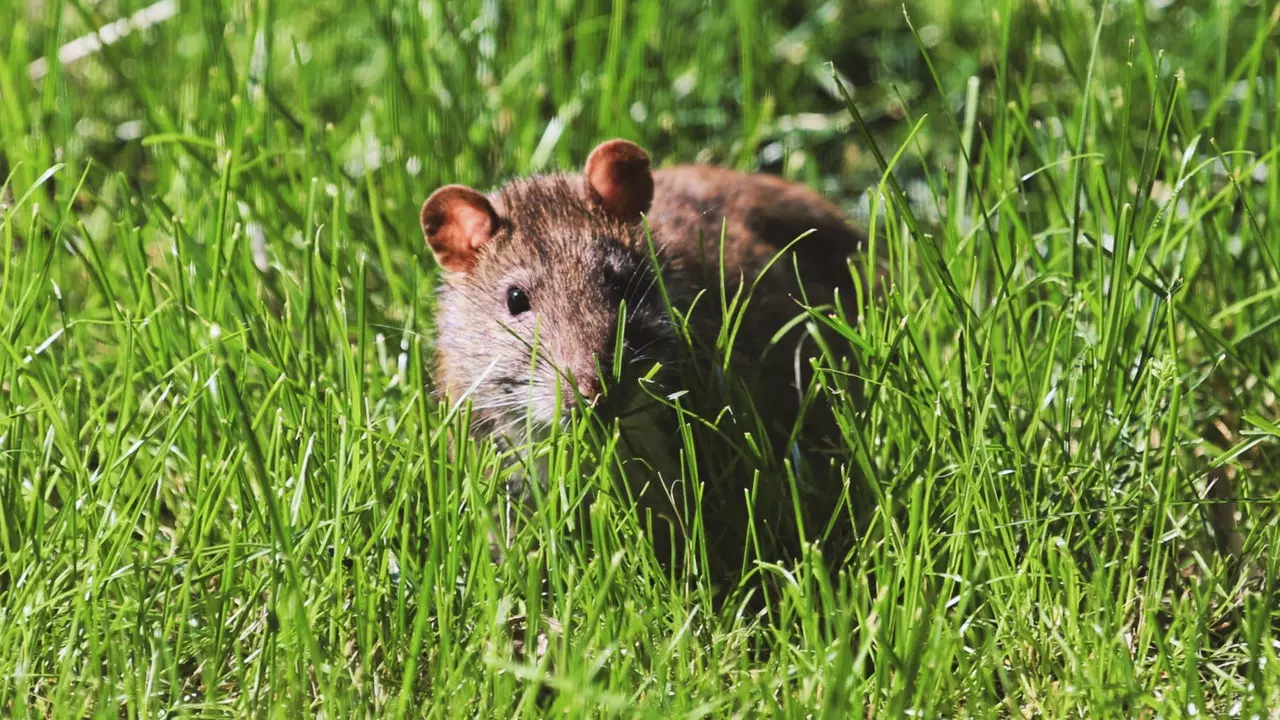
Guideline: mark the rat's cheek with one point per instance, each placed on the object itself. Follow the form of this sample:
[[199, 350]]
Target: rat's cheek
[[542, 399], [643, 336]]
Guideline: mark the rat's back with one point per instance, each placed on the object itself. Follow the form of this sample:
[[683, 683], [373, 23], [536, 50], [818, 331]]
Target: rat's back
[[760, 215]]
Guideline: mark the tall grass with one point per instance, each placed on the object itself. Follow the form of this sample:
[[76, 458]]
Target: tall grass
[[225, 482]]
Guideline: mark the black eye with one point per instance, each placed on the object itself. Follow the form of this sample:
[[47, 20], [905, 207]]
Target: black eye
[[517, 301]]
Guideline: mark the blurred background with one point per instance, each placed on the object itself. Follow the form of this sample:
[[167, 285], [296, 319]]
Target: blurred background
[[409, 95]]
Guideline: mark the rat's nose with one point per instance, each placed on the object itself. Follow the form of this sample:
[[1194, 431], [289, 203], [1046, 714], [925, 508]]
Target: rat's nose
[[587, 383], [589, 390]]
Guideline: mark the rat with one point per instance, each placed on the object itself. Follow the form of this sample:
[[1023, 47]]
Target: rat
[[542, 274]]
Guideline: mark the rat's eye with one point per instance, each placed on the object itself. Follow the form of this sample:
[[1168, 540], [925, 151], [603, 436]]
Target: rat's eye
[[517, 301]]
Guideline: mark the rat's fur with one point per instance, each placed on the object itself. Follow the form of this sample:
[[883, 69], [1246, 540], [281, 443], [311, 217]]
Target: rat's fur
[[575, 243]]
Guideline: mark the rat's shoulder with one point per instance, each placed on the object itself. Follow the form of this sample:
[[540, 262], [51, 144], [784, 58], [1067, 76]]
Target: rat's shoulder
[[736, 191]]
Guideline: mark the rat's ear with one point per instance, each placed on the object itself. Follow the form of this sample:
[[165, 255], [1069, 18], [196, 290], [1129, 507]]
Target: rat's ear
[[457, 221], [618, 178]]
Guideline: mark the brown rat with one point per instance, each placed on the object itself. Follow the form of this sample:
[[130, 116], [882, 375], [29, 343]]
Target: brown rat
[[547, 262]]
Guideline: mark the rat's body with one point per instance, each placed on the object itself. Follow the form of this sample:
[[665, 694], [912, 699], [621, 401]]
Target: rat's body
[[547, 261]]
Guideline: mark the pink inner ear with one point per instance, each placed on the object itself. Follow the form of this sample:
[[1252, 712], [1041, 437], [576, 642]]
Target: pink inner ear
[[457, 221], [474, 223], [619, 178]]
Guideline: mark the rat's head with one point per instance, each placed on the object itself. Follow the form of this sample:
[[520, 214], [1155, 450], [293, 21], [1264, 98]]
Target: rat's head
[[535, 276]]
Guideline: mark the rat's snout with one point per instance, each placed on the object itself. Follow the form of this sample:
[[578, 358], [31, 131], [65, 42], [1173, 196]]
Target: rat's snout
[[586, 381], [586, 356], [589, 389]]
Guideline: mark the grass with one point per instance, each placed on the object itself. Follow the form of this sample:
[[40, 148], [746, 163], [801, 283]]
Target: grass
[[224, 480]]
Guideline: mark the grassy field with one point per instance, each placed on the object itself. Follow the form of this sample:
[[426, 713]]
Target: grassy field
[[225, 486]]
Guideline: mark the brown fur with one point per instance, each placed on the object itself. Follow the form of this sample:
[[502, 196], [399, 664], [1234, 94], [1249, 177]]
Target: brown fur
[[553, 238], [575, 245]]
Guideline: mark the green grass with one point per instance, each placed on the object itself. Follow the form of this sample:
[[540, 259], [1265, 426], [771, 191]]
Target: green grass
[[224, 481]]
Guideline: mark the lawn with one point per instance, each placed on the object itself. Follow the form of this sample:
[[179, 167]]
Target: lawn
[[226, 484]]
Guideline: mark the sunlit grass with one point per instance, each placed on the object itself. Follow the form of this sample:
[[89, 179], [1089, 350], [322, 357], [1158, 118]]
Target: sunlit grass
[[225, 478]]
